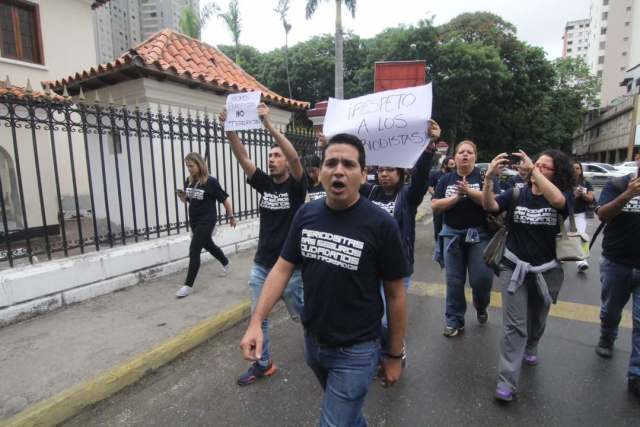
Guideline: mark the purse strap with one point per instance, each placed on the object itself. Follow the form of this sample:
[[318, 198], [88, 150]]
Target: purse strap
[[572, 223]]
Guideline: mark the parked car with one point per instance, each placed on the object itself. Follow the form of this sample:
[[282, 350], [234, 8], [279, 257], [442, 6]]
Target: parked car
[[627, 167], [600, 173]]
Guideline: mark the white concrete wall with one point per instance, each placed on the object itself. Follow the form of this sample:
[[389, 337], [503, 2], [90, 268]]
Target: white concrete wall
[[67, 48], [32, 290]]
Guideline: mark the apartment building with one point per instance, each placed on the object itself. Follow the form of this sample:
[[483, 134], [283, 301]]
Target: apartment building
[[576, 39]]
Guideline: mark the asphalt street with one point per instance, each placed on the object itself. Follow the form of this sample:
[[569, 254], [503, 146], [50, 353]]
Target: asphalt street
[[448, 382]]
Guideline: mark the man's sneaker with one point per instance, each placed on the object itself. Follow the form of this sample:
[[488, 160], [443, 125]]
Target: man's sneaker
[[604, 348], [184, 291], [224, 270], [634, 386], [583, 266], [504, 395], [451, 332], [483, 316], [255, 372], [530, 359]]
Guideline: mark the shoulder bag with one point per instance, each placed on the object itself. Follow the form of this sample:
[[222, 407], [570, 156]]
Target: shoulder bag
[[494, 251]]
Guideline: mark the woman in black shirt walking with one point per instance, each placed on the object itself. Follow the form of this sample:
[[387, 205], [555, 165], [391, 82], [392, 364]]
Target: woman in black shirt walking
[[201, 193]]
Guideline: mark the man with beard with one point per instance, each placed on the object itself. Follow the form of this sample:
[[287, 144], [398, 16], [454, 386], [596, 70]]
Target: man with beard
[[283, 192]]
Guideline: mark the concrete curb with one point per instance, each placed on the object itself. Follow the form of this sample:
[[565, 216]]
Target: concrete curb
[[70, 402]]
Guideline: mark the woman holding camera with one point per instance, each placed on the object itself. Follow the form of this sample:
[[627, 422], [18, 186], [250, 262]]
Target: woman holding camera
[[201, 193], [530, 276]]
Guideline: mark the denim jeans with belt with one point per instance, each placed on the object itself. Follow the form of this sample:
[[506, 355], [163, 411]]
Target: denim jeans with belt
[[293, 298], [345, 374], [619, 283], [460, 256]]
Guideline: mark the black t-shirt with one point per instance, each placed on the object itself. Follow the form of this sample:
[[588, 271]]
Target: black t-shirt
[[316, 192], [581, 205], [534, 227], [202, 201], [344, 255], [517, 182], [278, 205], [466, 213], [621, 242], [387, 202]]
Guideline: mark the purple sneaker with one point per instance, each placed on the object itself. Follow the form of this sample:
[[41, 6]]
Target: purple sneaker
[[530, 359], [504, 395]]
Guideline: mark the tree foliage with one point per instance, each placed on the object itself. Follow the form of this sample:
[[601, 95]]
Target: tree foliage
[[232, 20], [489, 86], [192, 21]]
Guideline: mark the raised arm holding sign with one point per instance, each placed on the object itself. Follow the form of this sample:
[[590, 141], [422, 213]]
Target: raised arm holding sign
[[391, 124]]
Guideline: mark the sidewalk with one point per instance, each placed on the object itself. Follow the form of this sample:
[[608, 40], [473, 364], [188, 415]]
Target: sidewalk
[[52, 353]]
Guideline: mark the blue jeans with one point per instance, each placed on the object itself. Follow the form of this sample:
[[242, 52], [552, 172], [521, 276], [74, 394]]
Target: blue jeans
[[345, 374], [619, 283], [460, 257], [293, 298]]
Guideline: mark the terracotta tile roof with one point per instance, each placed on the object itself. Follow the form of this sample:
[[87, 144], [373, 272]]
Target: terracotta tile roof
[[183, 59], [22, 93]]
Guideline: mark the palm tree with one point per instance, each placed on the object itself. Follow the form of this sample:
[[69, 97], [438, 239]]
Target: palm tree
[[282, 9], [232, 18], [312, 5], [193, 21]]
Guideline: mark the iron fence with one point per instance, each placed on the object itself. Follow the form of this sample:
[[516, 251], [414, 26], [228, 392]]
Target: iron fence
[[78, 177]]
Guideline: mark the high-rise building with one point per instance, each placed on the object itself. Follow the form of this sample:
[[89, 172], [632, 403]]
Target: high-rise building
[[122, 24], [576, 39], [609, 45], [632, 75]]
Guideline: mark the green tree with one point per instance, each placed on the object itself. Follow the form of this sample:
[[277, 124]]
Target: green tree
[[311, 7], [252, 59], [193, 21], [282, 10], [233, 22], [574, 90]]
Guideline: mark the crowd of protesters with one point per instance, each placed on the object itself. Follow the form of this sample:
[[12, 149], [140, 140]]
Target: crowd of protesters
[[337, 239]]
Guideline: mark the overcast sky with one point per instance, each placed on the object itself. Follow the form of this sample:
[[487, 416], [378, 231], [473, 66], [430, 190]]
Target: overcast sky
[[539, 22]]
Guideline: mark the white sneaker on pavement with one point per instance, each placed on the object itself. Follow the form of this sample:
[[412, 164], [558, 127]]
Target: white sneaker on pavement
[[583, 266], [184, 291], [224, 270]]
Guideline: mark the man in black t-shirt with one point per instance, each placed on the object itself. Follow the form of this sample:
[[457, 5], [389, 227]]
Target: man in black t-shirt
[[312, 168], [345, 245], [620, 268], [283, 192]]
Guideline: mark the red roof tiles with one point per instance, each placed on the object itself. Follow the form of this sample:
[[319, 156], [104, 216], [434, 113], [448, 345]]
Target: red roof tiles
[[184, 58], [22, 93]]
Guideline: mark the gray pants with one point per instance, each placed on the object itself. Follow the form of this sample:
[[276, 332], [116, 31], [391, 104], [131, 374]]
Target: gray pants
[[524, 317]]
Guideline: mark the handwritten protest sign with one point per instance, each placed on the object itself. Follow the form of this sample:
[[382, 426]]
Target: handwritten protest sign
[[242, 111], [391, 124]]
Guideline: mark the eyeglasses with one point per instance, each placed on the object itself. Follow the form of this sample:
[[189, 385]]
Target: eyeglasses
[[541, 166]]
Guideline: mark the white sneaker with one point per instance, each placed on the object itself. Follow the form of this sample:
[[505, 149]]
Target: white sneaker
[[224, 270], [583, 266], [184, 291]]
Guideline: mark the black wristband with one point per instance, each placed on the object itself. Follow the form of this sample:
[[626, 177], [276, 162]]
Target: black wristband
[[395, 356]]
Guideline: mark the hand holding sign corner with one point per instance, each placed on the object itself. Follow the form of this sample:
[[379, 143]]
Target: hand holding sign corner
[[391, 124], [242, 111]]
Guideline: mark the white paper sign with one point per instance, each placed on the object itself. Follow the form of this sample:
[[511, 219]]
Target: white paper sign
[[391, 124], [242, 111]]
